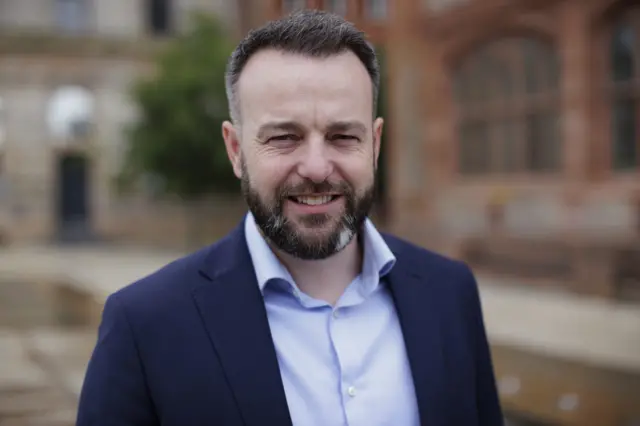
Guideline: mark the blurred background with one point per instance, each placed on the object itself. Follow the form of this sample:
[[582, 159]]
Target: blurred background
[[512, 142]]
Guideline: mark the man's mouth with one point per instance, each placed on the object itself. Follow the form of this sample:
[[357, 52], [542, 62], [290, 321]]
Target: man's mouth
[[314, 200]]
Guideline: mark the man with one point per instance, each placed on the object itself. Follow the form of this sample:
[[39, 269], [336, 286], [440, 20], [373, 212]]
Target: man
[[304, 314]]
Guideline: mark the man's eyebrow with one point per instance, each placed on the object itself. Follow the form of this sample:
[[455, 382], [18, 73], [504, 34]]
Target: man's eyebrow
[[345, 126], [278, 126]]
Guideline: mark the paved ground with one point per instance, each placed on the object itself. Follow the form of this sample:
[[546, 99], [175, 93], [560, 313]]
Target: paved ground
[[598, 330], [43, 365], [40, 373]]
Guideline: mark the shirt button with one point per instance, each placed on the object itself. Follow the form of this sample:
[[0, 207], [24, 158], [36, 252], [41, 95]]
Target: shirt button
[[351, 391], [336, 313]]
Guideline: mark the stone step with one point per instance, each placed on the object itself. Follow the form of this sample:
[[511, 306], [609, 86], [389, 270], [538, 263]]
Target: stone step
[[54, 418], [64, 354], [25, 304], [26, 402], [17, 371]]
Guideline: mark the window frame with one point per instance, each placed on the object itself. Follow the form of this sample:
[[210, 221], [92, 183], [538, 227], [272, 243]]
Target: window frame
[[616, 91], [73, 25], [511, 110]]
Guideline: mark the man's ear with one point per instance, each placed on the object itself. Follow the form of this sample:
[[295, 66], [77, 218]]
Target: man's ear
[[232, 144], [378, 124]]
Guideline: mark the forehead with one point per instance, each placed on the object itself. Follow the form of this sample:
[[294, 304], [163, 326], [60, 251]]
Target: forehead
[[280, 85]]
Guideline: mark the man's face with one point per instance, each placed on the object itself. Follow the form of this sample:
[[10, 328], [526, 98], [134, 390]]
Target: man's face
[[307, 150]]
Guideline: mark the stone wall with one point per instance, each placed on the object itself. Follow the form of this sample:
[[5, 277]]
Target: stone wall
[[543, 212], [30, 152], [172, 224], [108, 18]]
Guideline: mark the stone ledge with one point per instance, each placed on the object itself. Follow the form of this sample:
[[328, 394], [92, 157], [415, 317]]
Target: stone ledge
[[598, 267], [82, 46], [595, 332]]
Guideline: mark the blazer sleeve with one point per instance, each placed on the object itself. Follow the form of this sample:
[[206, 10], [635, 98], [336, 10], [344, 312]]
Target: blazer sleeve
[[488, 402], [114, 391]]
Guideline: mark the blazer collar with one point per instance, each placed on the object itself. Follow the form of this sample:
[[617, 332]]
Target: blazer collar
[[420, 314], [233, 311]]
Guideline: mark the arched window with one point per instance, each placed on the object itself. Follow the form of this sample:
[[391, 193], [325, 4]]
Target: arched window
[[72, 15], [507, 101], [625, 77]]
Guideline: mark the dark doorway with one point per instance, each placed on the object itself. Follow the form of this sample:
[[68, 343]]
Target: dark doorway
[[73, 199], [159, 15]]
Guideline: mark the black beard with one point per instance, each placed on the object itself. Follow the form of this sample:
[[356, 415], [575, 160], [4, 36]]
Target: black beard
[[282, 233]]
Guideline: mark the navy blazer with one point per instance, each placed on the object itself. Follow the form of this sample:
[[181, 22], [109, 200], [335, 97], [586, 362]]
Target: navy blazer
[[190, 345]]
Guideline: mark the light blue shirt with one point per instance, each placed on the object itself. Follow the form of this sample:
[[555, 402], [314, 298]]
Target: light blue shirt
[[343, 365]]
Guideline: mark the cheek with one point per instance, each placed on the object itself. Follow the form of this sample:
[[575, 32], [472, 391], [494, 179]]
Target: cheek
[[266, 175], [359, 174]]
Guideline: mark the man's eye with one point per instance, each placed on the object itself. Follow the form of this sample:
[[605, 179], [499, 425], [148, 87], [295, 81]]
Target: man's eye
[[288, 137], [344, 138]]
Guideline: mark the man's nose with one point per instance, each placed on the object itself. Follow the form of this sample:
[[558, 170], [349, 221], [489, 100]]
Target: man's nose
[[315, 163]]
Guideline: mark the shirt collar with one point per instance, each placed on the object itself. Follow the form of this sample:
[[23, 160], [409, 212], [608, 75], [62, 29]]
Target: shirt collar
[[378, 258]]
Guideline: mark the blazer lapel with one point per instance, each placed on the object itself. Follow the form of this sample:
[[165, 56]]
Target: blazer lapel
[[418, 312], [234, 315]]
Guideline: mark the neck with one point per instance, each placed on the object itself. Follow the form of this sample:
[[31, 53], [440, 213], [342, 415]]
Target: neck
[[326, 279]]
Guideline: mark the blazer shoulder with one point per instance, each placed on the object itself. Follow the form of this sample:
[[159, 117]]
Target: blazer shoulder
[[451, 274], [413, 255], [170, 287], [170, 278]]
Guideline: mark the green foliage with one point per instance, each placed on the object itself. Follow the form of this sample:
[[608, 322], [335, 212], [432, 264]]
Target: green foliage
[[177, 138]]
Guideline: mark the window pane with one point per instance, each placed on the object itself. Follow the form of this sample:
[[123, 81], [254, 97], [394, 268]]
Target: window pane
[[504, 81], [540, 66], [461, 86], [552, 68], [531, 63], [479, 78], [72, 15], [543, 150], [495, 80], [475, 152], [625, 146], [622, 53], [509, 144]]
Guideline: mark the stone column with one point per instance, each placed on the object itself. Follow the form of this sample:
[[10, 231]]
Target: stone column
[[406, 135], [591, 271], [574, 50]]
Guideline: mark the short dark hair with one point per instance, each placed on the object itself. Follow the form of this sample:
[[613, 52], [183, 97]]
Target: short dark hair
[[311, 33]]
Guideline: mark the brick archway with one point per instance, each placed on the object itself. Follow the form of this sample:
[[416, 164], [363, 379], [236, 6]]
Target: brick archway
[[459, 47], [602, 11]]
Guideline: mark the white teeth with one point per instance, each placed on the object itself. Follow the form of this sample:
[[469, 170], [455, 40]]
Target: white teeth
[[314, 201]]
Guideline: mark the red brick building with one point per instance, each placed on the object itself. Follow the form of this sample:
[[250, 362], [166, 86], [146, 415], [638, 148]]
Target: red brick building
[[513, 141], [513, 131]]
